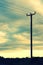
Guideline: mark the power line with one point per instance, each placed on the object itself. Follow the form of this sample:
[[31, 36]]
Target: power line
[[17, 9]]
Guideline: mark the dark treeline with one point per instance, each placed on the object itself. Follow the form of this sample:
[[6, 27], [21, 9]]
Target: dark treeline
[[21, 61]]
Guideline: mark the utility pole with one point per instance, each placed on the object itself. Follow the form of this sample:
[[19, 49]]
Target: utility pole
[[31, 14]]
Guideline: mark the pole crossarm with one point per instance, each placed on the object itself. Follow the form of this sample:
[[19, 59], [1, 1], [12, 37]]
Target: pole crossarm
[[31, 14]]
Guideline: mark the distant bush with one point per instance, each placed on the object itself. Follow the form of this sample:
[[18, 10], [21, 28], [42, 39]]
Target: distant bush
[[21, 61]]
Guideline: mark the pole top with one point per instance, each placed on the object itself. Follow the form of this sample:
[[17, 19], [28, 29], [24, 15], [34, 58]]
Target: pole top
[[31, 13]]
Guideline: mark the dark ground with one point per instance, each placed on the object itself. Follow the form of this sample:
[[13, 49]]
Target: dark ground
[[21, 61]]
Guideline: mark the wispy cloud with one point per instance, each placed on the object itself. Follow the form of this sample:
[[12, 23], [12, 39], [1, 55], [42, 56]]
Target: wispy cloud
[[21, 39], [37, 6], [3, 38]]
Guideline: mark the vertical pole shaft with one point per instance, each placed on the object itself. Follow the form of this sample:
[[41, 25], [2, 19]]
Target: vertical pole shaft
[[31, 33], [31, 48]]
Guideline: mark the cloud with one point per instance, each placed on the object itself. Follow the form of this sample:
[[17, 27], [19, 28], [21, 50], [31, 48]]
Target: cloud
[[20, 22], [37, 42], [37, 6], [14, 26], [3, 38], [21, 39], [6, 11], [8, 27], [38, 47], [2, 34], [22, 4], [39, 25]]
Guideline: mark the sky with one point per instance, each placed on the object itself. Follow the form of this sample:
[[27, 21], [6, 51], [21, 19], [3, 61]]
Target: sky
[[15, 28]]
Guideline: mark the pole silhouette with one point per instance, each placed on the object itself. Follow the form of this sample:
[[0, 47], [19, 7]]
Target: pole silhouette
[[31, 14]]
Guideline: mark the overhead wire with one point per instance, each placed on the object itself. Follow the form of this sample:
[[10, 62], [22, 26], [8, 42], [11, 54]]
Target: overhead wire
[[18, 6], [16, 9]]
